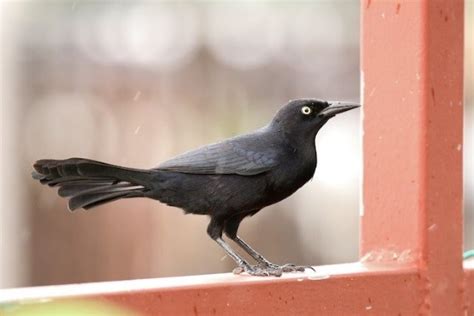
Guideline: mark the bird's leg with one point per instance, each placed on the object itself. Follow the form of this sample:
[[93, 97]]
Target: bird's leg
[[289, 267], [254, 254], [215, 231], [231, 228], [231, 253], [244, 266]]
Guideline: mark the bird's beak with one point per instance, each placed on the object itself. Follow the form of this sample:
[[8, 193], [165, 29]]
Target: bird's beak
[[336, 107]]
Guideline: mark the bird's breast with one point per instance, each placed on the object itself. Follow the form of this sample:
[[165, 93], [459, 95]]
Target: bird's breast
[[291, 175]]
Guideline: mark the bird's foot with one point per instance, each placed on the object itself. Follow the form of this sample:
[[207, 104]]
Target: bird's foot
[[269, 265], [289, 267], [257, 270]]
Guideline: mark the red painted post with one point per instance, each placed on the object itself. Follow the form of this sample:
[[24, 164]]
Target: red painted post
[[413, 93]]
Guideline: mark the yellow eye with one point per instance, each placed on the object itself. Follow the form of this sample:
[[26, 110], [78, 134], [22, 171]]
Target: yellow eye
[[306, 110]]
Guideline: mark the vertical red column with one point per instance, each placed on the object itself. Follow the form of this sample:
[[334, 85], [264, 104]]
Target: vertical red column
[[412, 76], [442, 223]]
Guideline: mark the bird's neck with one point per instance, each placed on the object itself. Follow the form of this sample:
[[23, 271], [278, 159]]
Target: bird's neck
[[302, 147], [297, 141]]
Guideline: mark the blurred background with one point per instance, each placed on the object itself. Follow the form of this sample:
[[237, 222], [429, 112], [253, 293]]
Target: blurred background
[[136, 83]]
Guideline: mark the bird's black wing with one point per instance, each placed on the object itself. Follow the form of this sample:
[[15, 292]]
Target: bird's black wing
[[243, 155]]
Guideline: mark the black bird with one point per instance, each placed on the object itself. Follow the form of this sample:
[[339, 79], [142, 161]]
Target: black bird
[[228, 181]]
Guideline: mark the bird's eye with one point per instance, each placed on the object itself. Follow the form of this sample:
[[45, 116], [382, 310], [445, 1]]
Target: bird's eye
[[306, 110]]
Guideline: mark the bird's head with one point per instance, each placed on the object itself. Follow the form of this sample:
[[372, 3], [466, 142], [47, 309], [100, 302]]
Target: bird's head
[[304, 117]]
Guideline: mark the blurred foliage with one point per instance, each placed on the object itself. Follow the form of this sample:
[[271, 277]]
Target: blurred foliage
[[66, 308]]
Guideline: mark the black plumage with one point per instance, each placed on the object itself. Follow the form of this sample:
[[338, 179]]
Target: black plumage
[[228, 181]]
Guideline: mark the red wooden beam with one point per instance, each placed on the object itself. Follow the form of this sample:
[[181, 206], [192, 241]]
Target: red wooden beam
[[337, 289], [334, 290], [413, 113]]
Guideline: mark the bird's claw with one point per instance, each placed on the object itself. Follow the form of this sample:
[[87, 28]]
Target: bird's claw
[[289, 267], [257, 270]]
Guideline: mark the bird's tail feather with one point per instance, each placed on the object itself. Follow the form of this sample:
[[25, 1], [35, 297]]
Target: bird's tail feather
[[90, 183]]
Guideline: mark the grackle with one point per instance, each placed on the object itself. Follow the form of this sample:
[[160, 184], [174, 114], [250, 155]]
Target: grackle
[[227, 181]]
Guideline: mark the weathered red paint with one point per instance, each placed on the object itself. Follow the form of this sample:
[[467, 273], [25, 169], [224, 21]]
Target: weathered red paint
[[413, 105], [335, 290], [353, 289], [442, 223], [355, 294], [392, 65], [468, 289]]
